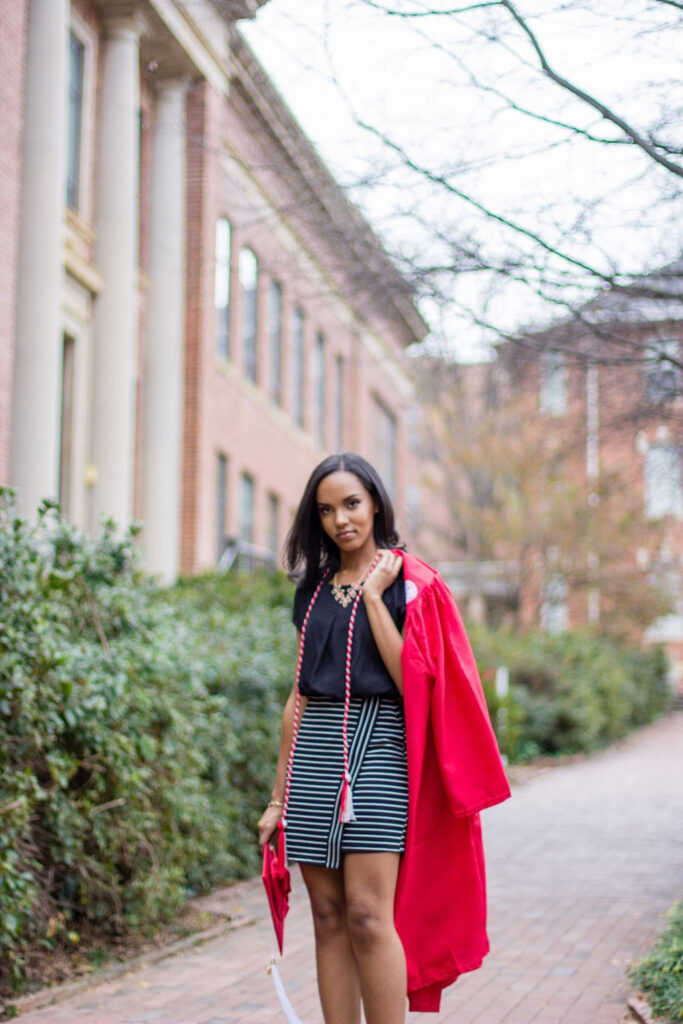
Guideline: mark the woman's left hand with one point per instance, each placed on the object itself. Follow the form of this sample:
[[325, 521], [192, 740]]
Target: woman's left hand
[[384, 573]]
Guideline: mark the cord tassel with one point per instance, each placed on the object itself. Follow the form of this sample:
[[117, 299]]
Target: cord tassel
[[347, 813], [287, 1007]]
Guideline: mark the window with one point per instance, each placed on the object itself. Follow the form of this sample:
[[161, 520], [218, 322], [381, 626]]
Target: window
[[221, 503], [66, 438], [221, 291], [74, 121], [248, 285], [247, 509], [340, 403], [413, 506], [554, 615], [663, 483], [663, 375], [319, 386], [273, 522], [553, 397], [275, 334], [385, 442], [298, 367]]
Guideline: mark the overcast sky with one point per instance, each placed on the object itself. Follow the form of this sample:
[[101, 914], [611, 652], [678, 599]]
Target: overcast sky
[[412, 79]]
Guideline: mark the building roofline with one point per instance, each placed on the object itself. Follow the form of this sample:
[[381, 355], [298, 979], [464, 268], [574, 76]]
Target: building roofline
[[362, 255]]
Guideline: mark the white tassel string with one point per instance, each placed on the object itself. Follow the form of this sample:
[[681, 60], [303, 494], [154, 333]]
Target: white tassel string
[[287, 1007]]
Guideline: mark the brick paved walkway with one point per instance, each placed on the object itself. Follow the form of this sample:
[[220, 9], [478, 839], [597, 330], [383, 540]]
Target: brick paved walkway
[[582, 863]]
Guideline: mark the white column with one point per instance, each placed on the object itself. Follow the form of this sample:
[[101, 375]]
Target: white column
[[165, 340], [34, 466], [116, 309]]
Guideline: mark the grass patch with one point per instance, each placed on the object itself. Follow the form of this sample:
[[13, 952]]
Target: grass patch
[[660, 975]]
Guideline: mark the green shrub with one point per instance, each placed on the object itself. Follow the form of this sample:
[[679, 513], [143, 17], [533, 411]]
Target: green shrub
[[246, 645], [138, 731], [660, 975], [570, 693]]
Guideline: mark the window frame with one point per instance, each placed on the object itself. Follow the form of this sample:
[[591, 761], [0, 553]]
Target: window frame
[[298, 345], [247, 488], [658, 503], [275, 340], [222, 265], [663, 378], [386, 461], [221, 503], [553, 385], [249, 312], [320, 388]]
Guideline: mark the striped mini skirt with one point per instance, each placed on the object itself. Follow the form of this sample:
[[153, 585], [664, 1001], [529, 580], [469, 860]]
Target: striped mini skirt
[[379, 781]]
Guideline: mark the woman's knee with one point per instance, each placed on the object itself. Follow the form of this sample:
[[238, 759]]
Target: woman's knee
[[367, 923], [329, 916]]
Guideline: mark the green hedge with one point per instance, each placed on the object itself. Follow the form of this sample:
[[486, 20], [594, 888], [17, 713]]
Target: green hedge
[[138, 732], [139, 726], [660, 975], [570, 693]]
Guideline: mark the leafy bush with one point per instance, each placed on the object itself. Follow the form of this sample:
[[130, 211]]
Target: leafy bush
[[138, 731], [660, 975], [570, 693], [245, 644]]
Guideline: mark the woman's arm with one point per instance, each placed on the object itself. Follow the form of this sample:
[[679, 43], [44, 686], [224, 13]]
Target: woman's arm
[[271, 816], [384, 630]]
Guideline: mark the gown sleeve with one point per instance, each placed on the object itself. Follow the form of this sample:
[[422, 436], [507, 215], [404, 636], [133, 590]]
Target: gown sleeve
[[469, 759]]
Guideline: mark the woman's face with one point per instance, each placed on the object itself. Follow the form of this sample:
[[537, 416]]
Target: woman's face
[[347, 512]]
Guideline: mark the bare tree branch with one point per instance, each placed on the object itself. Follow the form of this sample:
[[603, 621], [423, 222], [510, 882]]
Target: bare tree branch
[[447, 13], [438, 179], [608, 114]]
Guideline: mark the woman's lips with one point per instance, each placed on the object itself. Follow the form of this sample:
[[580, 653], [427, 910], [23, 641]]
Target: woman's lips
[[345, 534]]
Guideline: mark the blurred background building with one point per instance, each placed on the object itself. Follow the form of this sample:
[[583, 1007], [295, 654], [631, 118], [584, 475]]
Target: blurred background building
[[191, 313], [554, 474]]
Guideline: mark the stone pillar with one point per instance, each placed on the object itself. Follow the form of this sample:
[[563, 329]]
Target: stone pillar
[[34, 458], [116, 309], [165, 340]]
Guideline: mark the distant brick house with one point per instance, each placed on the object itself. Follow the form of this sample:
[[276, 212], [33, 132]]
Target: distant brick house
[[619, 415], [191, 313]]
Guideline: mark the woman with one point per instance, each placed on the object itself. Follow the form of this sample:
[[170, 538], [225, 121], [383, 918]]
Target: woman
[[368, 616]]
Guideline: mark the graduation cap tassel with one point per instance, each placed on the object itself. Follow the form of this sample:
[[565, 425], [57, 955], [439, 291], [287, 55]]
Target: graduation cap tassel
[[347, 812], [287, 1007]]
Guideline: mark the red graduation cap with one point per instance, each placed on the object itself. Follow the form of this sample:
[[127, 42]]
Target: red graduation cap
[[275, 877]]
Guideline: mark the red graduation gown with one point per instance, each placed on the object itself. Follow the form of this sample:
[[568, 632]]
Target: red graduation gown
[[454, 771]]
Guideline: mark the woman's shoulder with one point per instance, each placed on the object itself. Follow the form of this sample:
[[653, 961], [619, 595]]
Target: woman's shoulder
[[418, 571]]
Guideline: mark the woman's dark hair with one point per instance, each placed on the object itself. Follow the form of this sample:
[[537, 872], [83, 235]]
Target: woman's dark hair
[[308, 549]]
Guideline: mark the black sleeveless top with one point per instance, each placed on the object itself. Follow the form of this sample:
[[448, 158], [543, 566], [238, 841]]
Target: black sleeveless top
[[322, 672]]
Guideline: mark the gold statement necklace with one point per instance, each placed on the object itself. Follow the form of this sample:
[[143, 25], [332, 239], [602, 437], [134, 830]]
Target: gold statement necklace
[[345, 593]]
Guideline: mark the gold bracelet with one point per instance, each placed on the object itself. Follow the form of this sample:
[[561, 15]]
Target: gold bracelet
[[275, 803]]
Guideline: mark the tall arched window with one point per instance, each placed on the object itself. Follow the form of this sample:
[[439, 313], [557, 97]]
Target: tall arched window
[[221, 291], [248, 287]]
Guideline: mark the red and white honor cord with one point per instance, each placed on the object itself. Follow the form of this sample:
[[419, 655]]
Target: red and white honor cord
[[346, 812], [297, 707]]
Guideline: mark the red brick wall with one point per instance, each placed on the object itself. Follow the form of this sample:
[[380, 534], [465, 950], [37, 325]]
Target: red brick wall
[[13, 18], [224, 412]]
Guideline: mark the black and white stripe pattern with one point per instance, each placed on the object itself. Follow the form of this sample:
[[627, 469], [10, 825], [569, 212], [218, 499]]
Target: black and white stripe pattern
[[379, 781]]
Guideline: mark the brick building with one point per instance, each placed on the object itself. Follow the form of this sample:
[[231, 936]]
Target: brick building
[[592, 410], [191, 313]]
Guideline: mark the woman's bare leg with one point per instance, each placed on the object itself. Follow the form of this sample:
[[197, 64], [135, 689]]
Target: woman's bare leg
[[369, 887], [337, 972]]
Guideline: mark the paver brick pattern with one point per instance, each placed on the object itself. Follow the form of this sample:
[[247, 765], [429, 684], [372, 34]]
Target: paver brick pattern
[[582, 864]]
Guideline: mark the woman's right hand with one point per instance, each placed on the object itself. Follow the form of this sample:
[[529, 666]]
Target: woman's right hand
[[267, 824]]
